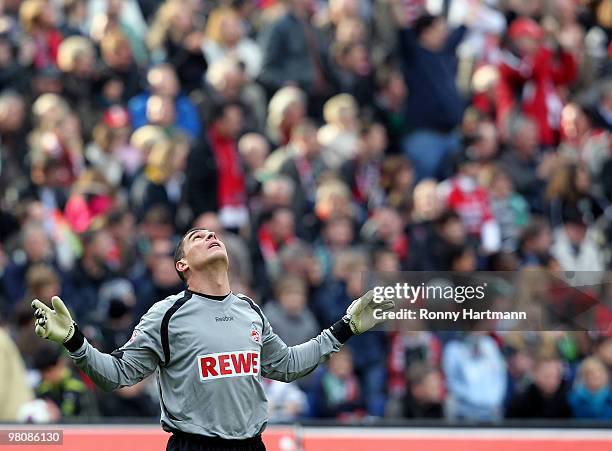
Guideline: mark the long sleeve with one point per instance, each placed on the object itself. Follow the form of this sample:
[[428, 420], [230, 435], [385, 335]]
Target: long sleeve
[[455, 39], [288, 363], [131, 363]]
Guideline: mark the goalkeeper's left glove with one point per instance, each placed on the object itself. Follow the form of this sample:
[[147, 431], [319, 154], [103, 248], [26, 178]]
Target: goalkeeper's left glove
[[360, 316]]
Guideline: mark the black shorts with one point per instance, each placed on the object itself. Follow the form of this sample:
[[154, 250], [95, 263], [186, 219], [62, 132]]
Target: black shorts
[[181, 441]]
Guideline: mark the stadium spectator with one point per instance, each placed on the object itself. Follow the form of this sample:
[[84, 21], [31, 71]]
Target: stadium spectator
[[161, 183], [173, 37], [535, 242], [59, 385], [225, 38], [120, 75], [425, 393], [292, 55], [434, 106], [36, 248], [339, 135], [39, 21], [227, 82], [91, 198], [570, 187], [574, 247], [397, 179], [110, 151], [603, 115], [76, 60], [471, 202], [286, 402], [223, 134], [254, 149], [582, 139], [162, 80], [75, 15], [388, 107], [354, 72], [159, 278], [546, 396], [591, 397], [408, 348], [304, 167], [475, 377], [538, 71], [527, 168], [337, 393], [276, 231], [509, 209], [114, 313], [91, 271], [337, 235], [289, 314], [286, 109], [14, 146]]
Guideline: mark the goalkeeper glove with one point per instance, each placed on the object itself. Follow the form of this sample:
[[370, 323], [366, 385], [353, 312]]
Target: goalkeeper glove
[[360, 316], [53, 324]]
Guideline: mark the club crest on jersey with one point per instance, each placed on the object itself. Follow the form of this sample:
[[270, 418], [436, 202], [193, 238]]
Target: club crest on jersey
[[255, 335]]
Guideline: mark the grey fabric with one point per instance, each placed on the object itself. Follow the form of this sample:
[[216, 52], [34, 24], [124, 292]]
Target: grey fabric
[[226, 399]]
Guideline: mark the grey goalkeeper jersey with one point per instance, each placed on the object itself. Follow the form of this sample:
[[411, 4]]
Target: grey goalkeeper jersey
[[209, 356]]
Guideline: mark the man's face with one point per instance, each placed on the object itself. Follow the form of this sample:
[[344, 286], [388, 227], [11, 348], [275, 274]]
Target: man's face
[[36, 246], [164, 82], [231, 122], [430, 389], [282, 226], [201, 248], [527, 140], [547, 377], [309, 144], [435, 36]]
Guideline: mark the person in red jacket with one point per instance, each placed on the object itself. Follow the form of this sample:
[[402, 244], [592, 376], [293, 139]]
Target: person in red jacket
[[536, 70], [223, 135], [38, 20], [465, 196]]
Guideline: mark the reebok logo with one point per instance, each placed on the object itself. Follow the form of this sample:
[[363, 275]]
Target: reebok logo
[[223, 318], [228, 364]]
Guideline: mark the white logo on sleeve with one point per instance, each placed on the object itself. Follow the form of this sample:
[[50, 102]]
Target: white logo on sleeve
[[228, 364]]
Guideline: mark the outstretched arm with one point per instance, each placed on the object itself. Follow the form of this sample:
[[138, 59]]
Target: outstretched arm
[[287, 363], [126, 366]]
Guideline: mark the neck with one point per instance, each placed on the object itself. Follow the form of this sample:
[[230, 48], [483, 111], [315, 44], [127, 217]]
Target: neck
[[213, 280]]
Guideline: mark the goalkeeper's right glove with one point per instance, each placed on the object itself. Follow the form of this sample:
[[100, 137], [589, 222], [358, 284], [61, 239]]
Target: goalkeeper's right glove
[[55, 324]]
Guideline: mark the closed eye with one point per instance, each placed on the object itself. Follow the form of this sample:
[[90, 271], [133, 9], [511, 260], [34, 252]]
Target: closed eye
[[197, 235]]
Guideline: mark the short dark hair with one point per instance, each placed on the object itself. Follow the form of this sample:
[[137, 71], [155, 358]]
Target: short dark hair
[[180, 252], [423, 23], [219, 109]]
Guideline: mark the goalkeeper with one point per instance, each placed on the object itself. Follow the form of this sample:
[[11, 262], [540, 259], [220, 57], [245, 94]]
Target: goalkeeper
[[210, 347]]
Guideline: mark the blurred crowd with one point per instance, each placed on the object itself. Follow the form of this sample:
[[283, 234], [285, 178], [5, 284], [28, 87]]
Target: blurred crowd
[[319, 139]]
